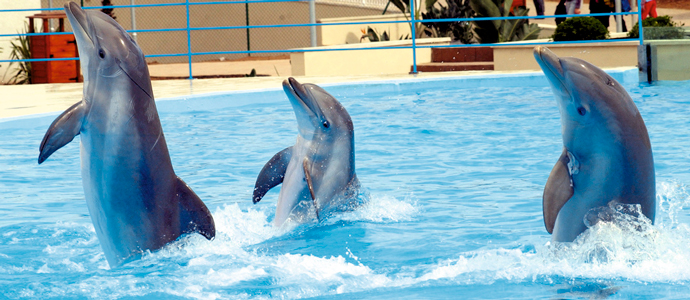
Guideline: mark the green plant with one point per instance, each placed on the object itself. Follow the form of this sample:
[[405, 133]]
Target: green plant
[[374, 36], [458, 31], [580, 29], [497, 31], [20, 50], [661, 27], [404, 6]]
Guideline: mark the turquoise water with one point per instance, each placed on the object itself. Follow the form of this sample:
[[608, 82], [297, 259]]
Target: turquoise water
[[453, 170]]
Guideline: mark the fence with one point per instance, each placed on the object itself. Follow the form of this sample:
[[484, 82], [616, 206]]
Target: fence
[[183, 24]]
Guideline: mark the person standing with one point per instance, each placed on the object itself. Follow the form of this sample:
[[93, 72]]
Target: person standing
[[598, 7], [539, 7], [649, 9], [573, 6]]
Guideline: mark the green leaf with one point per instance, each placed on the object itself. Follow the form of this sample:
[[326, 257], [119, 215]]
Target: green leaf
[[486, 9], [430, 4], [530, 32], [400, 5], [506, 7]]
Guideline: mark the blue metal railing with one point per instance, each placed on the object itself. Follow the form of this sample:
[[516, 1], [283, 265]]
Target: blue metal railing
[[188, 29]]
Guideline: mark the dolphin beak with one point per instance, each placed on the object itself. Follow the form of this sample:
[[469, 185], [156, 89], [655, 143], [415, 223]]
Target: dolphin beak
[[554, 71], [548, 61], [302, 99], [80, 23], [304, 95]]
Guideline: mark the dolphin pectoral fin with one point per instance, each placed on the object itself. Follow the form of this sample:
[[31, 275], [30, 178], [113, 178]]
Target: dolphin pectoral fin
[[272, 174], [195, 216], [62, 131], [558, 191], [310, 184]]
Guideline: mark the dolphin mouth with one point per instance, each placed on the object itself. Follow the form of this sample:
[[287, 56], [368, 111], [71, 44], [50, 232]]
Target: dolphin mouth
[[81, 25], [552, 67], [302, 98], [549, 61]]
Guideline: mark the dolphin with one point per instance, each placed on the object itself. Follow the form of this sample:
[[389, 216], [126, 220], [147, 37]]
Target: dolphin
[[135, 200], [607, 156], [318, 171]]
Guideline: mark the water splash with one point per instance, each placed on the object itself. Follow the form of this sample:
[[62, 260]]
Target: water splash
[[383, 208], [621, 245]]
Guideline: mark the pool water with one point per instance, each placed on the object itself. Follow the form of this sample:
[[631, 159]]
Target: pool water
[[453, 172]]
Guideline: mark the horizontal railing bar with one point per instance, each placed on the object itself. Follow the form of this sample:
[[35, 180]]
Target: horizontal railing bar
[[343, 49], [153, 5], [332, 24]]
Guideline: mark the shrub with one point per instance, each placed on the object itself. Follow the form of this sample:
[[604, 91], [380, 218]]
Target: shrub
[[661, 27], [458, 31], [499, 31], [580, 29]]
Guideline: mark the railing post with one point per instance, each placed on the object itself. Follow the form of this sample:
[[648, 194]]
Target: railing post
[[619, 25], [134, 20], [414, 39], [312, 20], [246, 21], [189, 42], [640, 30]]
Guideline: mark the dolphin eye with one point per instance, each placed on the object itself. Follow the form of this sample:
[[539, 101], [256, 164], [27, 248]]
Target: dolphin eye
[[326, 124], [101, 53], [609, 81], [581, 110]]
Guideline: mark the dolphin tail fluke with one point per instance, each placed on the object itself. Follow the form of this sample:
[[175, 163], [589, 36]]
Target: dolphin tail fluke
[[62, 131], [558, 190], [272, 174], [195, 215]]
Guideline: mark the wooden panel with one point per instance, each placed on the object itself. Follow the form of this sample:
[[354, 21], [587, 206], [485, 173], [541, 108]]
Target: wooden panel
[[63, 71], [38, 47], [54, 46], [39, 72], [63, 46]]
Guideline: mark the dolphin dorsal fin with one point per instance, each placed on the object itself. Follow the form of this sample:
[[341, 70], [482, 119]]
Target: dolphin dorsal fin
[[195, 216], [62, 131], [310, 185], [272, 174], [558, 190]]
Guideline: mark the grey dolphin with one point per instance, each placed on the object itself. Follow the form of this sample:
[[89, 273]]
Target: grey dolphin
[[607, 156], [319, 169], [135, 200]]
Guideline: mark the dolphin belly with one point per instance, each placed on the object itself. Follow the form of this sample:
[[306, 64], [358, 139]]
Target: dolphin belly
[[295, 198]]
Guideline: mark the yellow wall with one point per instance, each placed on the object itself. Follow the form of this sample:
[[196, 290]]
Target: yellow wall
[[223, 15], [361, 62], [603, 55], [351, 34]]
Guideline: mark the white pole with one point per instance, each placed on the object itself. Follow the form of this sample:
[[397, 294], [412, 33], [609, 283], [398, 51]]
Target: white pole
[[134, 20], [312, 20], [50, 21], [619, 18]]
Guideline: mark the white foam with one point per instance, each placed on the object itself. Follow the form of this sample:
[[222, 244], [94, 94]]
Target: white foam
[[382, 208], [628, 248]]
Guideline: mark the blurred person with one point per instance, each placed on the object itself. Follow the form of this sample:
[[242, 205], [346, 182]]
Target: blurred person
[[560, 10], [599, 7], [573, 6], [649, 9], [539, 7]]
